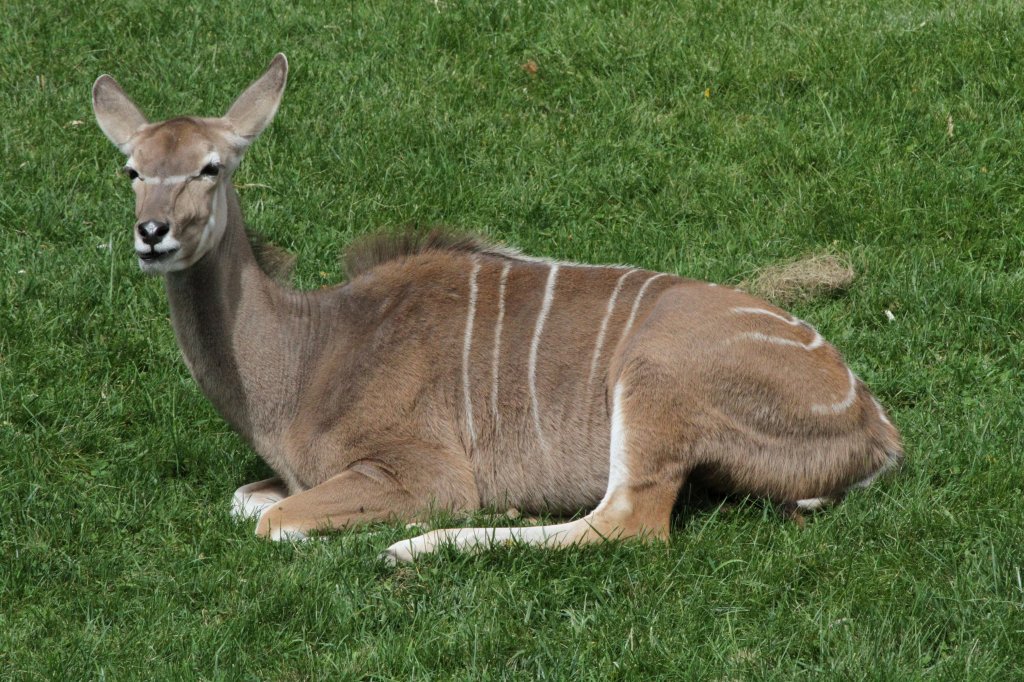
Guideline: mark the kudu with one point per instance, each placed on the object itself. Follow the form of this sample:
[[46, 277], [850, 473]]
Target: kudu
[[449, 373]]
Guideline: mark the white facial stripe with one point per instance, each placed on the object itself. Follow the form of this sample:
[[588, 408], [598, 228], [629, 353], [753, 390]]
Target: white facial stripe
[[604, 325], [212, 157], [467, 343], [542, 316], [169, 180], [636, 304], [845, 404], [497, 339]]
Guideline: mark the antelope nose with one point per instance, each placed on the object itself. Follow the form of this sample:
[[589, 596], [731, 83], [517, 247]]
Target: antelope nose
[[151, 231]]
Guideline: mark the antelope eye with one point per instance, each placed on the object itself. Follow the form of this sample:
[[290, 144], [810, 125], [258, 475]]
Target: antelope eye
[[131, 173], [210, 170]]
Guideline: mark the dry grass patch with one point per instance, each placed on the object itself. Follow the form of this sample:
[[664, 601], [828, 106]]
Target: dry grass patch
[[809, 277]]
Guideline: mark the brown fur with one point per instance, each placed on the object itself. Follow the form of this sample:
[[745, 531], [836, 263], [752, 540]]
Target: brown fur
[[380, 398], [369, 251], [271, 258]]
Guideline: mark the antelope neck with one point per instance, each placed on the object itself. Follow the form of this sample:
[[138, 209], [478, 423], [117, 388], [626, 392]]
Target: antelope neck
[[244, 337]]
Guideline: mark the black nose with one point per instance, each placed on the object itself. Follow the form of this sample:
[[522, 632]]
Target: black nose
[[151, 231]]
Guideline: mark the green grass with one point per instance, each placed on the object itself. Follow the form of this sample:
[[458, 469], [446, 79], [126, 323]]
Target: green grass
[[706, 139]]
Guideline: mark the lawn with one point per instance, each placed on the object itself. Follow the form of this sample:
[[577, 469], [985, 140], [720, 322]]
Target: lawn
[[707, 139]]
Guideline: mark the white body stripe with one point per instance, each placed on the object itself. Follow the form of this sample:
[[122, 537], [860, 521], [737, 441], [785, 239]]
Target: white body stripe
[[542, 316], [467, 343], [816, 342], [497, 338], [761, 311], [618, 467], [616, 501], [835, 408], [845, 404], [636, 304], [604, 325]]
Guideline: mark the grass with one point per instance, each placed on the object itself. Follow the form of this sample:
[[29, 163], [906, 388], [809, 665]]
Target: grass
[[705, 139]]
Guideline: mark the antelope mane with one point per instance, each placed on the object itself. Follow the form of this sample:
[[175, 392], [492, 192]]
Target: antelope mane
[[366, 253], [272, 259]]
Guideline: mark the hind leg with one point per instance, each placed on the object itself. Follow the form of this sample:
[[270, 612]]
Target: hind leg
[[642, 488]]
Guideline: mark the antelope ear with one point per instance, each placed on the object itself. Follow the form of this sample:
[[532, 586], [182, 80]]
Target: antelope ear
[[255, 108], [117, 115]]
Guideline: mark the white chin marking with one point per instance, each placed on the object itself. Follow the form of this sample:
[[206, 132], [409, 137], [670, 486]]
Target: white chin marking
[[160, 267], [166, 245]]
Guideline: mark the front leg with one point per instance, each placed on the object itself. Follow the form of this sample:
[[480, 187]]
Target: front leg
[[393, 488], [250, 501]]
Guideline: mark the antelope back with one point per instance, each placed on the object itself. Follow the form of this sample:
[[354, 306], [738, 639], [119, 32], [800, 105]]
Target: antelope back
[[527, 353]]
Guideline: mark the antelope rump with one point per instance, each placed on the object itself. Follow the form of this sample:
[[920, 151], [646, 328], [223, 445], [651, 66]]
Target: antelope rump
[[451, 373]]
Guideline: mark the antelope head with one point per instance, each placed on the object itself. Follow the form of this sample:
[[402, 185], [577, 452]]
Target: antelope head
[[180, 169]]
